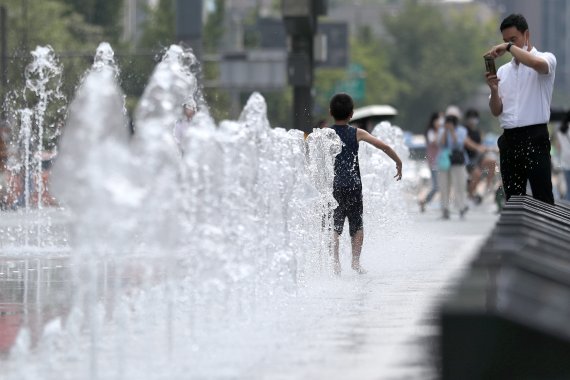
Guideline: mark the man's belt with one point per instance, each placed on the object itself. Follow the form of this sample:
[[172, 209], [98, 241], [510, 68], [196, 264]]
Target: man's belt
[[527, 129]]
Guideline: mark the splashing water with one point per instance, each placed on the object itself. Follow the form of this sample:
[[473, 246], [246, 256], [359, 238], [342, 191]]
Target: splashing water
[[323, 146], [104, 57], [91, 172], [382, 194], [199, 248], [35, 115], [158, 163], [43, 87]]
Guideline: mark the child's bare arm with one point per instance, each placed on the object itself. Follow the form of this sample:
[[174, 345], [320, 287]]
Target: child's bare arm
[[362, 135]]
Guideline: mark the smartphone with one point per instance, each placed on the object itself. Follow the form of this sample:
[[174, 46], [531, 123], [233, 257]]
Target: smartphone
[[490, 65]]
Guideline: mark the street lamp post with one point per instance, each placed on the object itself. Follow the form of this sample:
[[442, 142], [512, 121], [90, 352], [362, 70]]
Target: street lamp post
[[300, 19]]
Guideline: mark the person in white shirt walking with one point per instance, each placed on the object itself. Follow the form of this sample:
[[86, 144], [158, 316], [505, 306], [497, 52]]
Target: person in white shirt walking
[[521, 93]]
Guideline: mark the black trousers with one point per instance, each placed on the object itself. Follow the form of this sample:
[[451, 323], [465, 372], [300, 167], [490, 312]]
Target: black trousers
[[525, 155]]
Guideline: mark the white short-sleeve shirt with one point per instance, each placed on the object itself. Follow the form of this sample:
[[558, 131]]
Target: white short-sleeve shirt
[[525, 93]]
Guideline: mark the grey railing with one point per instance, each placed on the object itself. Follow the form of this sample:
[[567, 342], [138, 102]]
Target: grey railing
[[509, 317]]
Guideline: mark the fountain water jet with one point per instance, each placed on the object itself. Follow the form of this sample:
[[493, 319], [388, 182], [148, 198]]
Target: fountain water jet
[[155, 148], [90, 176], [206, 254], [35, 115], [42, 93]]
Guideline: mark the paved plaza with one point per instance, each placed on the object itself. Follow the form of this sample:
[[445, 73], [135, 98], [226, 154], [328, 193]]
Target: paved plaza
[[381, 325]]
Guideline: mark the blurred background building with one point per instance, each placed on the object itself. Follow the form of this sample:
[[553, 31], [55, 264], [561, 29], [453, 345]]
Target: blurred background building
[[548, 20], [417, 56]]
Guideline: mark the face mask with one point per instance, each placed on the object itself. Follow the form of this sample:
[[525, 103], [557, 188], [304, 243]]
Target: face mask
[[473, 121]]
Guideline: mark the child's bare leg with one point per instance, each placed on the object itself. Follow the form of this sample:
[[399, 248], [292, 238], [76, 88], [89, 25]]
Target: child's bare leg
[[336, 260], [475, 178], [357, 240]]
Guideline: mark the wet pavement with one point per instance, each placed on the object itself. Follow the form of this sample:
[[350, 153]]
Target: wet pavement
[[387, 328], [33, 291], [381, 325]]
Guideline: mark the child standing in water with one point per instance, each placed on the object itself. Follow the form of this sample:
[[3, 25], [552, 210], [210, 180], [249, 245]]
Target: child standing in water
[[347, 186]]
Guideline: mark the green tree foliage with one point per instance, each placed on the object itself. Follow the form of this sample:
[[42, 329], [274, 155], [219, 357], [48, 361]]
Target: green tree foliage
[[213, 29], [32, 22], [103, 13], [436, 57], [326, 81], [218, 99], [279, 106], [47, 22], [158, 33], [159, 29], [382, 86]]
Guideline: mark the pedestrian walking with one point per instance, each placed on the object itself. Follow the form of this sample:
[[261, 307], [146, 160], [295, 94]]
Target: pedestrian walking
[[452, 159], [347, 185], [452, 174], [432, 149], [478, 163], [521, 93]]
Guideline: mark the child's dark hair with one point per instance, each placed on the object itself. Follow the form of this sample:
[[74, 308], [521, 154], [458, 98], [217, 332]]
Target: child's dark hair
[[516, 20], [341, 106], [471, 112], [434, 116]]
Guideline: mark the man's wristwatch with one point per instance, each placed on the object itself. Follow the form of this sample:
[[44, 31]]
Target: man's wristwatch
[[509, 46]]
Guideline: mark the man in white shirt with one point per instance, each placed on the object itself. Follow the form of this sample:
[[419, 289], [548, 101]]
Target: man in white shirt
[[521, 93]]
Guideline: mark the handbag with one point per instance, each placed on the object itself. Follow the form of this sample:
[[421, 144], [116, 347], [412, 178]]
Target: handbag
[[457, 157], [443, 159]]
